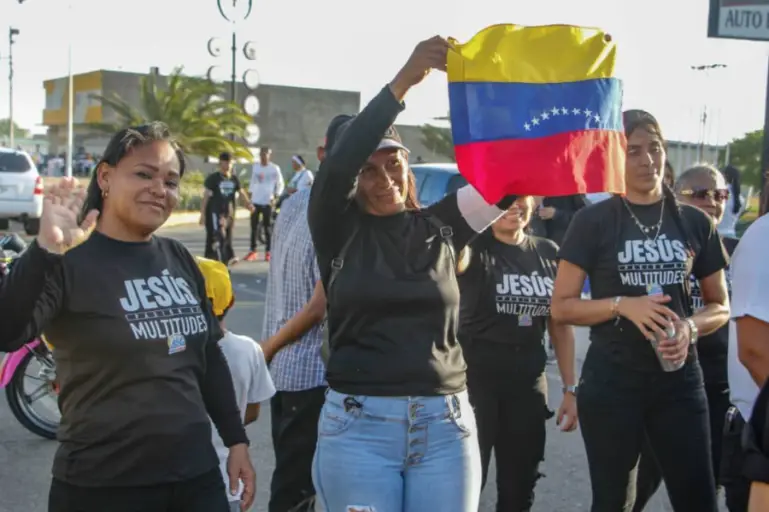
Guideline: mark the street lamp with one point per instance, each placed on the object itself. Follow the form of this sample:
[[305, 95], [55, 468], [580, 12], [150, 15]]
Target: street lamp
[[704, 118], [12, 33], [240, 10]]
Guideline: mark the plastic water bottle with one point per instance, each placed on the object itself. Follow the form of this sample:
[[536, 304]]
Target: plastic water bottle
[[655, 290]]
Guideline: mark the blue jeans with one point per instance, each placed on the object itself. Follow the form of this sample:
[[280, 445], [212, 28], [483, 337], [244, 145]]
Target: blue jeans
[[397, 454]]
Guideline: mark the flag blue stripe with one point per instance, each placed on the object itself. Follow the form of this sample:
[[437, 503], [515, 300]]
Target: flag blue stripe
[[489, 111]]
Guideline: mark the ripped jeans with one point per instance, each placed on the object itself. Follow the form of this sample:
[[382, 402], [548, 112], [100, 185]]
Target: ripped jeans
[[397, 454]]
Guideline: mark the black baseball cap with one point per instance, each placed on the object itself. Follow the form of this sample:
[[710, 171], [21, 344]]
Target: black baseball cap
[[337, 126], [225, 156]]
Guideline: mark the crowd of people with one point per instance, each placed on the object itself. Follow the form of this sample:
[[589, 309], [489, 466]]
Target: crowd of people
[[406, 344]]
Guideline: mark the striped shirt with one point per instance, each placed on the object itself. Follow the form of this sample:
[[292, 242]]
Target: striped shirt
[[290, 285]]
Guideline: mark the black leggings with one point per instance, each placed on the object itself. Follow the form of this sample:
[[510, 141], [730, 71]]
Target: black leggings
[[219, 237], [649, 473], [205, 493], [510, 411], [619, 407], [263, 213]]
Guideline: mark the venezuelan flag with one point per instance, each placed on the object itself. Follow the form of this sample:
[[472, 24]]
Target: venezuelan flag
[[537, 111]]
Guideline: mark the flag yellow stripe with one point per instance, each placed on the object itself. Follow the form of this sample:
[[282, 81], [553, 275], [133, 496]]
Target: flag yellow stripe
[[535, 55]]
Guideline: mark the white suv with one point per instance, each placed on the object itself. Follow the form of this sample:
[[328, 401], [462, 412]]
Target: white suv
[[21, 191]]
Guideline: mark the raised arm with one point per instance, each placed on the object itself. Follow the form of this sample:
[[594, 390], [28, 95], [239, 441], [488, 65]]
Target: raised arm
[[468, 214], [351, 142], [32, 291]]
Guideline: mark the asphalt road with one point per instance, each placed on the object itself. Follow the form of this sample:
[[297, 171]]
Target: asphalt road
[[25, 460]]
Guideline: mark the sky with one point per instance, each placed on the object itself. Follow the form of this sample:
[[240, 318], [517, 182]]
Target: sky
[[359, 45]]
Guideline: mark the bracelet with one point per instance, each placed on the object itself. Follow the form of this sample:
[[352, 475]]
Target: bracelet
[[615, 307]]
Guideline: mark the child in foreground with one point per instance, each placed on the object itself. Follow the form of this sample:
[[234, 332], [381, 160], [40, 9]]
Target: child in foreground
[[250, 374]]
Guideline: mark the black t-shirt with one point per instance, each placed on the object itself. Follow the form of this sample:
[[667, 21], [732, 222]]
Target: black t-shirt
[[223, 191], [505, 303], [393, 309], [506, 290], [135, 345], [712, 349], [620, 260]]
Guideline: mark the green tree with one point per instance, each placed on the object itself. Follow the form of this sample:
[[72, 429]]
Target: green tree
[[202, 124], [745, 155], [438, 140], [18, 131]]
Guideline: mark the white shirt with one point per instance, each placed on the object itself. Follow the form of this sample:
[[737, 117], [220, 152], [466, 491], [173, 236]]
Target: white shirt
[[253, 385], [728, 224], [750, 297], [266, 183], [302, 179]]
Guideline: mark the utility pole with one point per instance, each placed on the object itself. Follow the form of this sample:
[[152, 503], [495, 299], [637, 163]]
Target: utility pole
[[704, 117], [12, 32]]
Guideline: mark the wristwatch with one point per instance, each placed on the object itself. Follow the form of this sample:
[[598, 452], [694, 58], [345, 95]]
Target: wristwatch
[[694, 332], [570, 389]]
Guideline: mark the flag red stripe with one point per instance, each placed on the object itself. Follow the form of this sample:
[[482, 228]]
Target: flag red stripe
[[568, 163]]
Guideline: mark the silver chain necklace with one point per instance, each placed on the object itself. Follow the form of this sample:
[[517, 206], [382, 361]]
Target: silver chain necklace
[[657, 228]]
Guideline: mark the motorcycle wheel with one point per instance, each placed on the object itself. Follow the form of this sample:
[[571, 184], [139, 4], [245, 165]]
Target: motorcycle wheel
[[20, 408]]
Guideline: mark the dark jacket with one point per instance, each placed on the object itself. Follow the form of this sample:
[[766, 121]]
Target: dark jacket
[[565, 208]]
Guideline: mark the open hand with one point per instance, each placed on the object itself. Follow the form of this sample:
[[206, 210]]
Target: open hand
[[649, 314], [59, 227]]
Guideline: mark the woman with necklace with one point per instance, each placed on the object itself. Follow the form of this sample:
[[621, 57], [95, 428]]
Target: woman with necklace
[[641, 376], [506, 284]]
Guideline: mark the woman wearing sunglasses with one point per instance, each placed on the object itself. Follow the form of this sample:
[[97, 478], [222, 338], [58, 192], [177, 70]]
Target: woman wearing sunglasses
[[703, 186], [641, 379]]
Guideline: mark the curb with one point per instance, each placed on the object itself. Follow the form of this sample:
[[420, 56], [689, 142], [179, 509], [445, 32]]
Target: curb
[[187, 218]]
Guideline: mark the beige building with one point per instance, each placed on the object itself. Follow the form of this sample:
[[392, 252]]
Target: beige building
[[292, 120]]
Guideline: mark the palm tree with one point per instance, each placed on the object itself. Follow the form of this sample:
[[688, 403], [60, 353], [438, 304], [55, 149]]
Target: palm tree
[[202, 123]]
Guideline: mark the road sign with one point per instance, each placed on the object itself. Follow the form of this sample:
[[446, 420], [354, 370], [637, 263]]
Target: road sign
[[739, 19]]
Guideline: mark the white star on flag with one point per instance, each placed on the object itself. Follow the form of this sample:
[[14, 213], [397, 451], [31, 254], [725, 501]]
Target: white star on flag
[[576, 111], [545, 116], [535, 121], [555, 111], [588, 113], [527, 127], [597, 118], [564, 110]]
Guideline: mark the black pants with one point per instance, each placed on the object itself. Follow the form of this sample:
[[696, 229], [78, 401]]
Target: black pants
[[649, 473], [295, 416], [205, 493], [262, 213], [619, 407], [510, 410], [219, 237], [736, 486]]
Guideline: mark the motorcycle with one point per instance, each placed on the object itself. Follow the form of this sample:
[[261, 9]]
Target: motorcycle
[[34, 356]]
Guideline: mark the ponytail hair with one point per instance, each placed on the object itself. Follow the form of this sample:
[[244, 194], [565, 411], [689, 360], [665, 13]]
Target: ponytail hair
[[122, 143], [640, 119]]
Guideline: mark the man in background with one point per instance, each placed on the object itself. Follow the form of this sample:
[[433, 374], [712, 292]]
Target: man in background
[[217, 212], [266, 186], [294, 309], [556, 214]]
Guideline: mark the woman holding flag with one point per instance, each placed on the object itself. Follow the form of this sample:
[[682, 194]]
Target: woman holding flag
[[397, 432], [641, 376], [506, 282]]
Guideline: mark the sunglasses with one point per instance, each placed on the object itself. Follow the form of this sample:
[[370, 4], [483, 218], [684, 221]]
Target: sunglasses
[[718, 194]]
